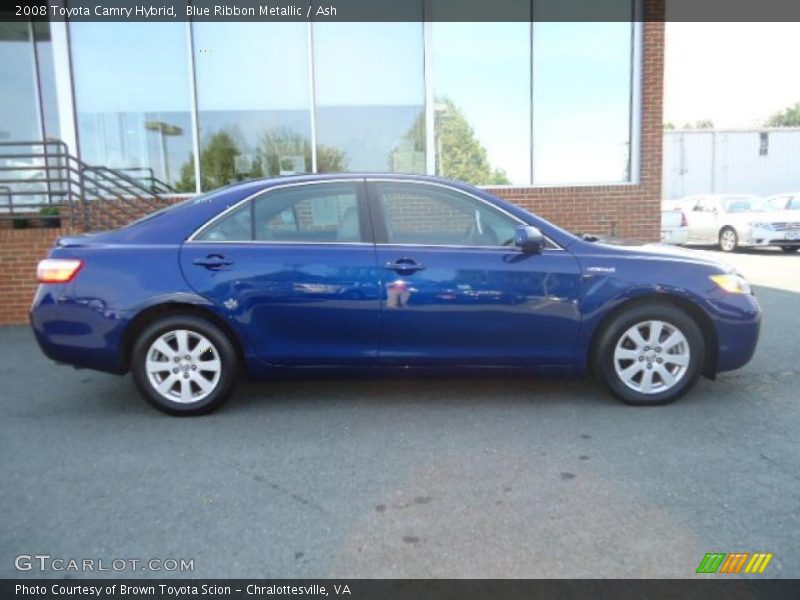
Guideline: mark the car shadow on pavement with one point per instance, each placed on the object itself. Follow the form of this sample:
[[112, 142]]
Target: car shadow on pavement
[[413, 391]]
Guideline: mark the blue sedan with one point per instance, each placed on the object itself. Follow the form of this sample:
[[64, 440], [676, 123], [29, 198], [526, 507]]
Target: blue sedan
[[346, 274]]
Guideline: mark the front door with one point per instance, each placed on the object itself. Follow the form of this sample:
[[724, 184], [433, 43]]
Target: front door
[[296, 269], [457, 291]]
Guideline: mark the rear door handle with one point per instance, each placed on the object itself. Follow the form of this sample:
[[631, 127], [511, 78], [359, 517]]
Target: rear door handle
[[212, 261], [404, 265]]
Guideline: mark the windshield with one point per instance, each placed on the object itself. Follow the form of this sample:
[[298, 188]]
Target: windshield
[[737, 204]]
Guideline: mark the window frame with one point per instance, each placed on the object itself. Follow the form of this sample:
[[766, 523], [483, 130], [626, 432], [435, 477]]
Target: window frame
[[365, 222]]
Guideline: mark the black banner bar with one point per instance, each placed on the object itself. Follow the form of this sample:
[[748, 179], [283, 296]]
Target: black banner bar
[[387, 589], [403, 10]]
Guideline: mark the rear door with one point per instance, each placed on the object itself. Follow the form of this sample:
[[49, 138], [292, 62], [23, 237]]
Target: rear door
[[295, 267], [703, 220], [457, 291]]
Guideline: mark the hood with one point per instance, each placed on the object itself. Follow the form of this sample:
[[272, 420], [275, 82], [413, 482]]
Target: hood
[[782, 216], [773, 216], [653, 251]]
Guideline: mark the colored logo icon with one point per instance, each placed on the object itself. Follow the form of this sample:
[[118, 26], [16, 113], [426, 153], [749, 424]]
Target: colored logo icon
[[736, 562]]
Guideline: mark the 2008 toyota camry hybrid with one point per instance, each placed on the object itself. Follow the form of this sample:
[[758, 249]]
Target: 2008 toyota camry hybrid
[[346, 274]]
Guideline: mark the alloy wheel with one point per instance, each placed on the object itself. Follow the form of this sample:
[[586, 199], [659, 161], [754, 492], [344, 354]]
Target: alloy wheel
[[652, 357], [183, 366], [727, 240]]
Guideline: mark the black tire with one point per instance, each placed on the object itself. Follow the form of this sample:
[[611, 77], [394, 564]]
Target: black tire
[[603, 361], [789, 249], [725, 246], [223, 348]]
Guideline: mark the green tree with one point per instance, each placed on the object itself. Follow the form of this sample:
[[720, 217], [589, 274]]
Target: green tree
[[217, 164], [186, 182], [788, 117], [669, 126], [279, 148], [459, 153], [330, 159]]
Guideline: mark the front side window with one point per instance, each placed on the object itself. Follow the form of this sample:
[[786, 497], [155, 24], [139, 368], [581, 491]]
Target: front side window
[[737, 204], [314, 213], [434, 216]]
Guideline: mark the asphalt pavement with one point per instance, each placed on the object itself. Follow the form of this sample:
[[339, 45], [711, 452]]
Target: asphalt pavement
[[423, 478]]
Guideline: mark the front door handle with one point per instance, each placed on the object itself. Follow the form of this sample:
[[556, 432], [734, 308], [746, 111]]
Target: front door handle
[[404, 265], [213, 261]]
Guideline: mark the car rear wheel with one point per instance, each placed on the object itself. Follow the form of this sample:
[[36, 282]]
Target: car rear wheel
[[728, 240], [788, 249], [650, 355], [184, 365]]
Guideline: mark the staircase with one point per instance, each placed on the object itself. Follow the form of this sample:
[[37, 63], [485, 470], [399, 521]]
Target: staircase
[[44, 175]]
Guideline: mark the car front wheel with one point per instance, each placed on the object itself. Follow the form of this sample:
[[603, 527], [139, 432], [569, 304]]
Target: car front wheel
[[184, 365], [650, 355], [788, 249], [728, 240]]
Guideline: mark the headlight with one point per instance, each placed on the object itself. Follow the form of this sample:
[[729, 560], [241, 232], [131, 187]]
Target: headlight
[[732, 283], [761, 225]]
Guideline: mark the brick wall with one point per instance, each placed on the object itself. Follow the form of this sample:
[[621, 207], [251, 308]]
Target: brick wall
[[20, 250], [631, 211]]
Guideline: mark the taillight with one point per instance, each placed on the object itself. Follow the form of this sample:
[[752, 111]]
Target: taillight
[[58, 270], [684, 222]]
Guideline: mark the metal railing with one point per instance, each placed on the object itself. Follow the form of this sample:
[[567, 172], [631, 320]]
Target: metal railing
[[147, 176], [35, 175]]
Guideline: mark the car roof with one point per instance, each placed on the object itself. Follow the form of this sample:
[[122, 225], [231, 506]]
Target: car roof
[[267, 182]]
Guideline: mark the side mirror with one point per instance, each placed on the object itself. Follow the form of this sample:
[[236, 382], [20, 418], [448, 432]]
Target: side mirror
[[529, 239]]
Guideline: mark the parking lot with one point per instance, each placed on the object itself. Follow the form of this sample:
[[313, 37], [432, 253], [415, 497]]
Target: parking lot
[[437, 478]]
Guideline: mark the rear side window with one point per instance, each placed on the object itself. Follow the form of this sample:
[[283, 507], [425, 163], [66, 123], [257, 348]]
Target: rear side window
[[234, 227], [706, 205], [310, 213]]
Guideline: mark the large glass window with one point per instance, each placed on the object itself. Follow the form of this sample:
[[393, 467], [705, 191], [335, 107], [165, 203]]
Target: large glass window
[[482, 74], [19, 117], [511, 103], [581, 101], [370, 96], [133, 97], [253, 100], [49, 98]]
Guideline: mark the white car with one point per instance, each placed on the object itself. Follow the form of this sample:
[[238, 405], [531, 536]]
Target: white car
[[674, 226], [734, 221]]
